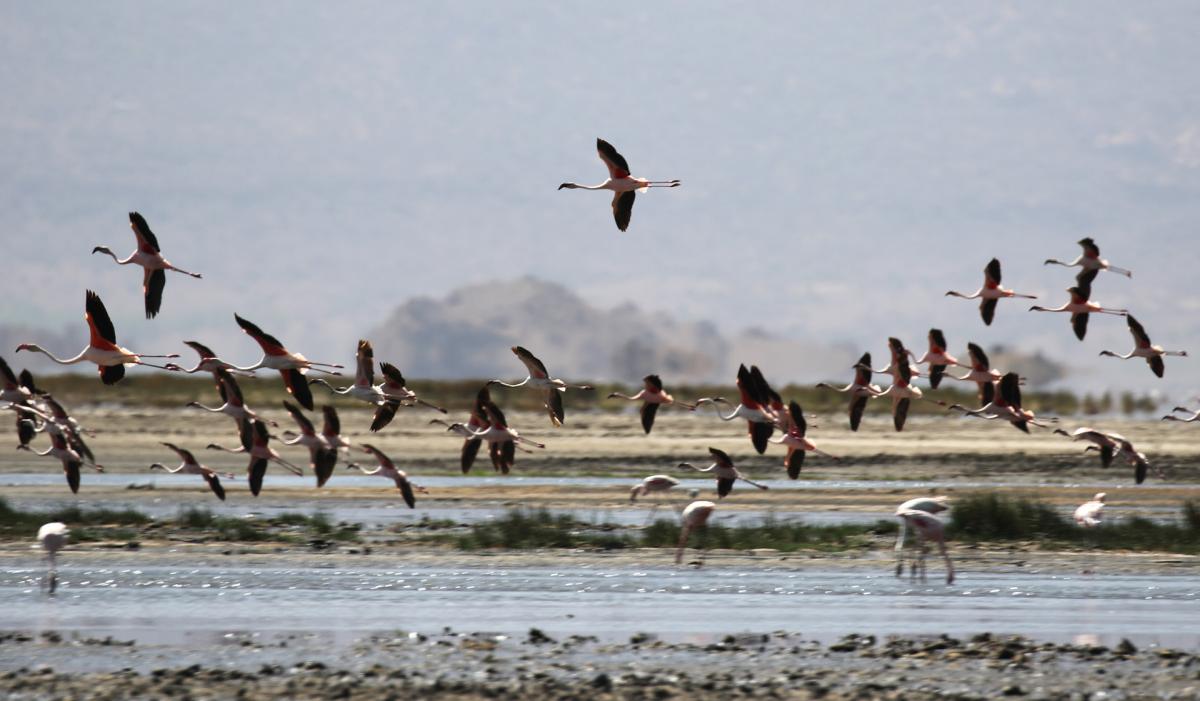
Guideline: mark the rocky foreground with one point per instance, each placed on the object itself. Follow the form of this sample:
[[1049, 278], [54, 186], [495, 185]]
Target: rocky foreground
[[777, 666]]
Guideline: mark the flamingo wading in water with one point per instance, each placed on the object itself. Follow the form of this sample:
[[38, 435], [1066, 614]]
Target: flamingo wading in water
[[52, 537], [102, 348], [149, 256], [695, 515], [624, 186], [927, 527]]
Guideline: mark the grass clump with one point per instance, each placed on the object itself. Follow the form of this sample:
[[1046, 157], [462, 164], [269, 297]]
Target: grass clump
[[523, 530], [994, 517], [18, 522]]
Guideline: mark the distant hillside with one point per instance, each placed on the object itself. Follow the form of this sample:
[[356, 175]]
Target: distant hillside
[[468, 334]]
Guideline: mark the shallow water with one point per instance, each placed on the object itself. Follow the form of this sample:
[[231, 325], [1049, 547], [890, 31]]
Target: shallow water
[[207, 604]]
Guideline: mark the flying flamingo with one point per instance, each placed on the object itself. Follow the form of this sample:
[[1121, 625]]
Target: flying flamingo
[[323, 456], [232, 404], [723, 469], [388, 469], [1089, 512], [695, 515], [930, 505], [52, 537], [1143, 348], [192, 466], [71, 461], [990, 293], [651, 396], [58, 423], [395, 395], [927, 527], [1106, 445], [364, 388], [1080, 307], [981, 373], [796, 442], [102, 348], [937, 358], [478, 421], [16, 396], [1131, 455], [902, 392], [1090, 261], [149, 256], [331, 429], [898, 351], [1005, 404], [860, 390], [1195, 415], [539, 378], [291, 366], [624, 186], [501, 439], [753, 406], [261, 453], [209, 362]]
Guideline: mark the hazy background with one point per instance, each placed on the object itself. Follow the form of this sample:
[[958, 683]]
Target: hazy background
[[843, 167]]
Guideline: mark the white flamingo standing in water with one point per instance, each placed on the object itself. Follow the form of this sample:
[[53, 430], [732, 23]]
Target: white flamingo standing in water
[[291, 366], [102, 348], [388, 469], [1089, 513], [990, 293], [623, 185], [725, 472], [797, 443], [539, 378], [927, 527], [931, 505], [695, 515], [1090, 261], [1143, 348], [52, 537], [149, 256], [192, 466], [860, 390], [1080, 307]]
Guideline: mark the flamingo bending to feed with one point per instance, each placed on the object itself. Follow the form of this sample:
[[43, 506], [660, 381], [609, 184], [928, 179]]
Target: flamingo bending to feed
[[624, 186], [930, 505], [927, 527], [71, 461], [502, 441], [209, 362], [937, 358], [323, 456], [1090, 260], [102, 348], [796, 442], [292, 366], [990, 293], [52, 537], [652, 485], [149, 256], [192, 466], [1089, 512], [1105, 444], [1143, 348], [1080, 308], [261, 453], [539, 378], [695, 515], [860, 390], [725, 472], [753, 406], [652, 395], [388, 469]]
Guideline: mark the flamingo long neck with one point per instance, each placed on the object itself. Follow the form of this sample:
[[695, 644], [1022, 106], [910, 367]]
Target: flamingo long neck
[[69, 361], [127, 261], [601, 186], [522, 383], [164, 468]]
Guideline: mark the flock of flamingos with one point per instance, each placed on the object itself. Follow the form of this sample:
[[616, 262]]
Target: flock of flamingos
[[759, 404]]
